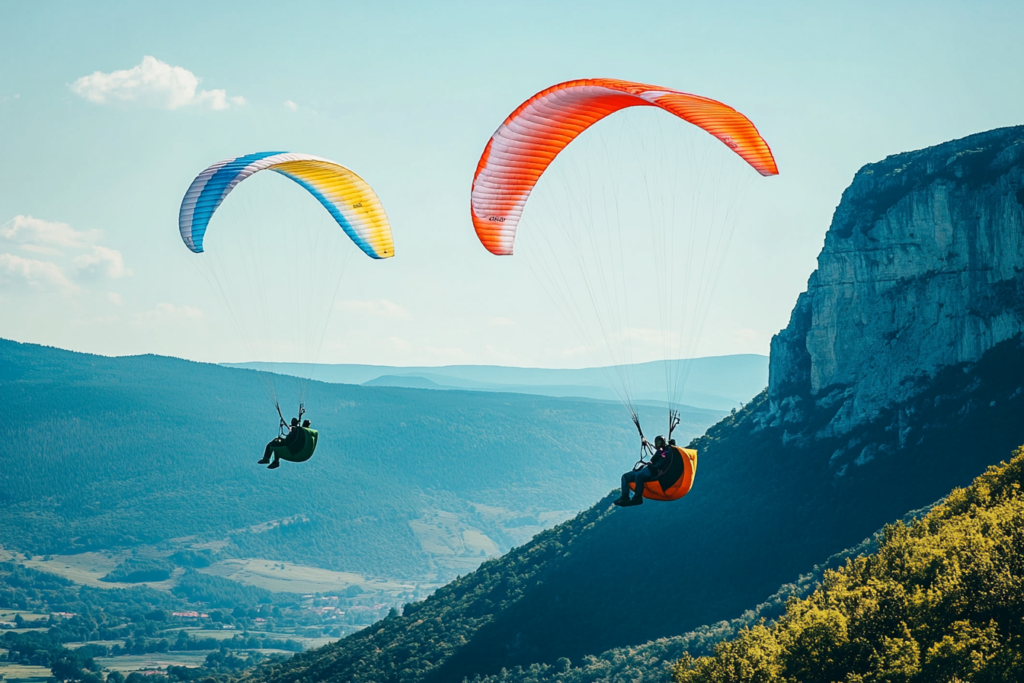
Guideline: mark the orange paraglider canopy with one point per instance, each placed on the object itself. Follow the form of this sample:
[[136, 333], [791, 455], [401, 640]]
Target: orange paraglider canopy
[[534, 134], [677, 479]]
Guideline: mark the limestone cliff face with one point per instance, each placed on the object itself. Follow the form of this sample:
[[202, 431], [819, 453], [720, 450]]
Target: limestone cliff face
[[923, 268]]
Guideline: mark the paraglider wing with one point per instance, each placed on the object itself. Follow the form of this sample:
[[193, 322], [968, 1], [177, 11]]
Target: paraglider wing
[[352, 202], [533, 135]]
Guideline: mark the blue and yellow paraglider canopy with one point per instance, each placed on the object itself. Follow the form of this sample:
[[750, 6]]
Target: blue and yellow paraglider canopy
[[348, 198]]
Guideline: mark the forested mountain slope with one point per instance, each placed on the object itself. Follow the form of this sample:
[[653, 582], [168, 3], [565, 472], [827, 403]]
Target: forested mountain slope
[[941, 600], [103, 452], [814, 465]]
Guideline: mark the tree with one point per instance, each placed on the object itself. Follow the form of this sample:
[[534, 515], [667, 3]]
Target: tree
[[66, 667]]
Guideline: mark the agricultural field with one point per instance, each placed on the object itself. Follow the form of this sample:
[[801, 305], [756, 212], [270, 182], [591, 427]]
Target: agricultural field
[[518, 528], [29, 619], [221, 618], [281, 577], [23, 673], [128, 663], [88, 569], [220, 634], [457, 543]]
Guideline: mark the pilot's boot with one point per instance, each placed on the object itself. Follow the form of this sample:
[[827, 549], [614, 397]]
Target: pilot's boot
[[274, 465], [621, 501], [636, 500]]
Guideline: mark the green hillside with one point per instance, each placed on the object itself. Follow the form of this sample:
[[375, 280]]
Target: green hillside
[[104, 453], [941, 600], [617, 578], [653, 661]]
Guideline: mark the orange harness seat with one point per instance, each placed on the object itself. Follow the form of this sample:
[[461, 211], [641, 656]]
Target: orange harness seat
[[676, 480]]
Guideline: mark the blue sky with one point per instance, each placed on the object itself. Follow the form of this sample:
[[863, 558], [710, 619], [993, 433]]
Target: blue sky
[[407, 94]]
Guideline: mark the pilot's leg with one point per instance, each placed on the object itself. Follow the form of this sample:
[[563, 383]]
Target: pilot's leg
[[641, 477], [270, 446], [626, 478], [624, 498]]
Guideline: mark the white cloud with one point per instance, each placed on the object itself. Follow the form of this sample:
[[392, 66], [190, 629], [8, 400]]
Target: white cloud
[[74, 254], [100, 262], [640, 339], [37, 233], [747, 340], [448, 353], [170, 312], [37, 249], [575, 352], [400, 344], [152, 84], [381, 308], [15, 270], [498, 321], [291, 105], [501, 356], [115, 298]]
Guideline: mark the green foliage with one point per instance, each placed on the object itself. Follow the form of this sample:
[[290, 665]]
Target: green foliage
[[649, 662], [941, 600], [70, 665], [135, 570], [143, 618], [39, 649], [217, 591]]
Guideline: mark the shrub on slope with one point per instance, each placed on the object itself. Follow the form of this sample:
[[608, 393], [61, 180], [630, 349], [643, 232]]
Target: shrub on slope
[[139, 570], [941, 600]]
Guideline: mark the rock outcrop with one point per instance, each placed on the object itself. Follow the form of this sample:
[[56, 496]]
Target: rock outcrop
[[923, 268]]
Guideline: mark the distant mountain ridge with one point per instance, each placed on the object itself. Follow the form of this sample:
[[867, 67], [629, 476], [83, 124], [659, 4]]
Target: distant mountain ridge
[[103, 453], [713, 383]]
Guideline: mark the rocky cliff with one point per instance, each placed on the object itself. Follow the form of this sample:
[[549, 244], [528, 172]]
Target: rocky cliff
[[923, 268]]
